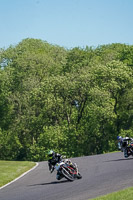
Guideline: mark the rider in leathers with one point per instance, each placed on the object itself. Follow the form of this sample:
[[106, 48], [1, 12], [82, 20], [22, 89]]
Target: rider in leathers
[[53, 159], [123, 142]]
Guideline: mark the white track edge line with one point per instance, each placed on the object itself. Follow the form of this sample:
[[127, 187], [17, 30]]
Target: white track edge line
[[20, 176]]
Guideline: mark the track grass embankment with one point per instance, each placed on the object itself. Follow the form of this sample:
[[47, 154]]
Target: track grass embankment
[[126, 194], [10, 170]]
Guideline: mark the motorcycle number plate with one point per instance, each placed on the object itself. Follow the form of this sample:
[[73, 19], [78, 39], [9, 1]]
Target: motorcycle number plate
[[57, 166]]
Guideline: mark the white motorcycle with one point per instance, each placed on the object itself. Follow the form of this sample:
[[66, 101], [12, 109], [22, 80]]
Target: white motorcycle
[[68, 170]]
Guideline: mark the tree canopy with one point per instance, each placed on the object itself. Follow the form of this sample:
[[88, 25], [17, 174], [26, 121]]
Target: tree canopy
[[74, 101]]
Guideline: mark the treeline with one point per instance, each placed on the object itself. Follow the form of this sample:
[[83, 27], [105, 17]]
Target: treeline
[[73, 101]]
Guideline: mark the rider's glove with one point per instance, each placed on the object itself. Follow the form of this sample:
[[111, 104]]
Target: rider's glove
[[64, 157]]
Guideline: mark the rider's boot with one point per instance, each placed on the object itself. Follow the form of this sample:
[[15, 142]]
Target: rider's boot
[[58, 175], [125, 153]]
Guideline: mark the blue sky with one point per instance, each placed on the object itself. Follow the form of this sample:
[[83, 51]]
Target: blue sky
[[67, 23]]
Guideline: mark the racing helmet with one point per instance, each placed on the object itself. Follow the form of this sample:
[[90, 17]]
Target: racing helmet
[[50, 154], [119, 137]]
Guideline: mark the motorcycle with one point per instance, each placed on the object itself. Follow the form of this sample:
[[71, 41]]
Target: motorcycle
[[68, 170], [130, 149], [126, 146]]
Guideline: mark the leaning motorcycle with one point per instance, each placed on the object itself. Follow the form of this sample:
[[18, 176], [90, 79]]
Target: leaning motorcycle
[[130, 149], [126, 147], [68, 170]]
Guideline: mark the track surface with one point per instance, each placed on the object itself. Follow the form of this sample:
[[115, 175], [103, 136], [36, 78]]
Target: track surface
[[102, 174]]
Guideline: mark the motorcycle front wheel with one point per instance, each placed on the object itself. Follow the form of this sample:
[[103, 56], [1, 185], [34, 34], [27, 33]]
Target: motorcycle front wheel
[[79, 176], [67, 175]]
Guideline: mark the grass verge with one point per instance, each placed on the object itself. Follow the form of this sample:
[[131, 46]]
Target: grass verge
[[9, 170], [126, 194]]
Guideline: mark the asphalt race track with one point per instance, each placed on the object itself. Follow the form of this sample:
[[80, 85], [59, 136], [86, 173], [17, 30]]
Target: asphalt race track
[[102, 174]]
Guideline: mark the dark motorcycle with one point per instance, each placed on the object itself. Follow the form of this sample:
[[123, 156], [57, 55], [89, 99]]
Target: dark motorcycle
[[68, 170], [130, 149], [126, 146]]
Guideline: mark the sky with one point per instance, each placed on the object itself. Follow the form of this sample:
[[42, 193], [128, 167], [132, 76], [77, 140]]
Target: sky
[[67, 23]]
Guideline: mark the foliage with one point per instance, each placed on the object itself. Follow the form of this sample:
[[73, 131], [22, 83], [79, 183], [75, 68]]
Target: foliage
[[73, 101]]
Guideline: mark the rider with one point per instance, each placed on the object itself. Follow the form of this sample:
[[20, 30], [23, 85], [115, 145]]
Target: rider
[[123, 142], [53, 159]]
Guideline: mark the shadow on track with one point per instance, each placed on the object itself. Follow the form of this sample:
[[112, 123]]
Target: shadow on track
[[51, 183], [126, 159]]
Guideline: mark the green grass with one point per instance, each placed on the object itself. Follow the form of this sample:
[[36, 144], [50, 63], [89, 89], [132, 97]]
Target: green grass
[[126, 194], [9, 170]]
